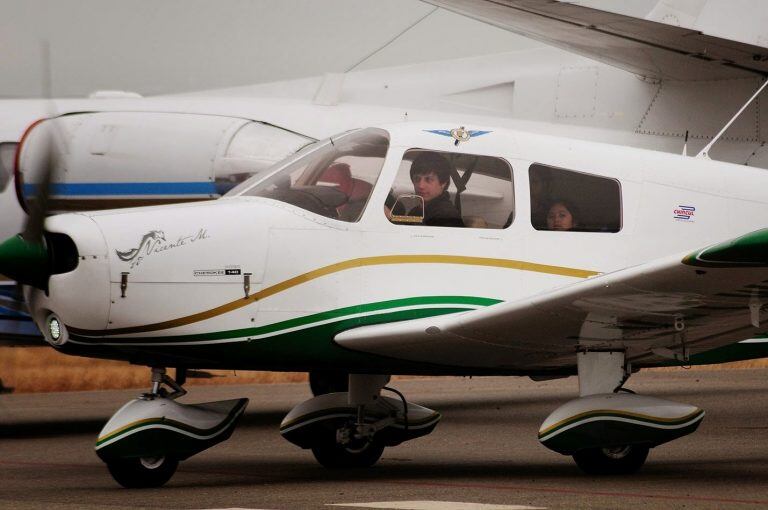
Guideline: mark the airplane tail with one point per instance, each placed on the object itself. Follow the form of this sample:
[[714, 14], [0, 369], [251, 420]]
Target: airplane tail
[[738, 20]]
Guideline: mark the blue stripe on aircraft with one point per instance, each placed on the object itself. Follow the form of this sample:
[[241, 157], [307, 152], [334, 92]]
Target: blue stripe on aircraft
[[8, 313], [16, 327], [126, 188]]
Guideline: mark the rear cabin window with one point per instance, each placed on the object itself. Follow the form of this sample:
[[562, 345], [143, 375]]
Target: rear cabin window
[[565, 200], [445, 189]]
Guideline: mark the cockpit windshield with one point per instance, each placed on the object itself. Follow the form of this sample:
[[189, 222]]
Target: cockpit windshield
[[333, 178]]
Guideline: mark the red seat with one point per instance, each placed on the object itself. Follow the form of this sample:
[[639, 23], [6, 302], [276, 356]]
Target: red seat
[[341, 175]]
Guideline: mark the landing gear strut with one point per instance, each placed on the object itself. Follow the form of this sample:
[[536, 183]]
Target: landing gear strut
[[608, 430], [359, 452], [355, 444], [322, 382], [351, 429], [143, 443]]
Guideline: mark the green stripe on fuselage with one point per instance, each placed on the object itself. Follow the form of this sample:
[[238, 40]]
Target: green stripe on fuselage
[[310, 348], [307, 319]]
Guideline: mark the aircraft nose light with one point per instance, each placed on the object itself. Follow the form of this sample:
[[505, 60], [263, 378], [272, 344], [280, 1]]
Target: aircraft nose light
[[55, 331]]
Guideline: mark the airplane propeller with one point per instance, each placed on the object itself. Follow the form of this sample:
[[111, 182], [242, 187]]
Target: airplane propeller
[[26, 257]]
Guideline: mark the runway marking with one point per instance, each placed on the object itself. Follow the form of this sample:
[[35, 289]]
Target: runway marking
[[436, 505], [445, 485], [575, 492]]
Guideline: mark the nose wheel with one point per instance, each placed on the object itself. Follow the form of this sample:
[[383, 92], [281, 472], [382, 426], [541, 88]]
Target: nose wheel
[[617, 460], [142, 472], [144, 441]]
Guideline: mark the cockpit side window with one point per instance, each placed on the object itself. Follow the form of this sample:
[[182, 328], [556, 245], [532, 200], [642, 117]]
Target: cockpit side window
[[334, 180], [565, 200], [446, 189]]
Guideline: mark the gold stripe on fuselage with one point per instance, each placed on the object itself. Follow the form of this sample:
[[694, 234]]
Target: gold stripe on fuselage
[[343, 266]]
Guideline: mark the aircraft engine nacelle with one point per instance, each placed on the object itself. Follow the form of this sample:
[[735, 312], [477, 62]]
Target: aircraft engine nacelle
[[118, 159], [617, 419], [115, 271]]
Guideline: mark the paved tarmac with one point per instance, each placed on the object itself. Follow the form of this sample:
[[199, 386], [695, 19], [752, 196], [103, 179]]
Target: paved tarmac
[[484, 452]]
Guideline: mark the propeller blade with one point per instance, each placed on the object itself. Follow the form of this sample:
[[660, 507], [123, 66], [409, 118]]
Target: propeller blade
[[25, 257], [55, 140], [39, 205]]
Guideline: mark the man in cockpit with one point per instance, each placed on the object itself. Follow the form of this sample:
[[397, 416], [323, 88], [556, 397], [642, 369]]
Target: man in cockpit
[[430, 175]]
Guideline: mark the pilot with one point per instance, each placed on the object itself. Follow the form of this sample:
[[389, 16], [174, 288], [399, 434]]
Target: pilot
[[430, 175], [562, 215]]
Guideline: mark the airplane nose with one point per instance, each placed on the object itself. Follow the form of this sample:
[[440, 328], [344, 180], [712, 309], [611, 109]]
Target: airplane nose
[[75, 291], [25, 262]]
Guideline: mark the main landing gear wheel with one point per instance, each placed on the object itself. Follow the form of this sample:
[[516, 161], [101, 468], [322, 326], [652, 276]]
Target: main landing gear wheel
[[142, 473], [618, 460], [337, 456]]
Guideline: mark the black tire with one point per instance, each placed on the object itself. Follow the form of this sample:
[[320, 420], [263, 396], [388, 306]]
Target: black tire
[[322, 383], [621, 460], [142, 473], [336, 456]]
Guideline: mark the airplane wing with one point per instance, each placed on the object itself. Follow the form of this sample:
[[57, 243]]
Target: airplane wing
[[16, 326], [667, 309], [643, 47]]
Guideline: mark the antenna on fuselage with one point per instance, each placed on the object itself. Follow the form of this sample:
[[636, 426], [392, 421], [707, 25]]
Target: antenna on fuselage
[[704, 153], [685, 144]]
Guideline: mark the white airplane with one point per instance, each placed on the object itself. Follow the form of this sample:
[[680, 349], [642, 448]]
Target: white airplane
[[124, 150], [414, 248], [90, 138]]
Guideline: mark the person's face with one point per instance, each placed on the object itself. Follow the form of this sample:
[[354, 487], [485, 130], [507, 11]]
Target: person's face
[[428, 186], [559, 218]]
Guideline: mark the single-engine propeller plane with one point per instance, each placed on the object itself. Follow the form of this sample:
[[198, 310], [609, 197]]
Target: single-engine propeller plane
[[413, 248]]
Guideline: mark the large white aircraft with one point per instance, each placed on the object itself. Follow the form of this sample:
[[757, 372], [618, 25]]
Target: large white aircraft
[[641, 83], [413, 248], [454, 246]]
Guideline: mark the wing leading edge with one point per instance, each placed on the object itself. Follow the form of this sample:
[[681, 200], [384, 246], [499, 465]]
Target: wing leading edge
[[643, 47], [681, 305]]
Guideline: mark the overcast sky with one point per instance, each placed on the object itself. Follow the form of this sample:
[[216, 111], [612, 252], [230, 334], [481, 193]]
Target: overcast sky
[[166, 46]]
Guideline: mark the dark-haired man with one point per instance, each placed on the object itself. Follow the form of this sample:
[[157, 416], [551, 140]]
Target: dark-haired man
[[430, 175]]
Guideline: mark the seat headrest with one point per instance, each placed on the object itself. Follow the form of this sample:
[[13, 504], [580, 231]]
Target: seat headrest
[[340, 174], [360, 190]]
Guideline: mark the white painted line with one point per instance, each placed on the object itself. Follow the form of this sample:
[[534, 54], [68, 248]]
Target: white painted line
[[436, 505]]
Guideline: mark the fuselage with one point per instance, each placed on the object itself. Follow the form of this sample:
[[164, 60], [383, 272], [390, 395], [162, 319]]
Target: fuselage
[[252, 282]]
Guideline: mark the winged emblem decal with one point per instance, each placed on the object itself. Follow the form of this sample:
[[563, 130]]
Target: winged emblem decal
[[459, 135]]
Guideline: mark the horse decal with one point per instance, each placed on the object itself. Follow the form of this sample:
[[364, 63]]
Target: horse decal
[[153, 236], [154, 241]]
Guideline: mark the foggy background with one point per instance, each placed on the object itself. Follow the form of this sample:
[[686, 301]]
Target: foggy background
[[166, 46]]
